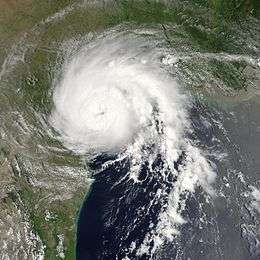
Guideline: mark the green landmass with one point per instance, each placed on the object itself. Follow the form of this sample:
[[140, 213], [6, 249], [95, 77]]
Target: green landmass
[[213, 26]]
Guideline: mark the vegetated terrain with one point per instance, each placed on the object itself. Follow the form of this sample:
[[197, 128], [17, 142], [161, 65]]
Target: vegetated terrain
[[42, 186]]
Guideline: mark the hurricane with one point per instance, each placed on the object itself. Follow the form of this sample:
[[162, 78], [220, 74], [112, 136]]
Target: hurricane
[[129, 130], [107, 96], [114, 98]]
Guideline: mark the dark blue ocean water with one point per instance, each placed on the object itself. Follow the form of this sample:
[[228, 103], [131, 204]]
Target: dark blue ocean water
[[118, 211], [115, 213]]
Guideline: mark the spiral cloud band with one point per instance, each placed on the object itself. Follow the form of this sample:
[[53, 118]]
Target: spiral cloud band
[[114, 97]]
